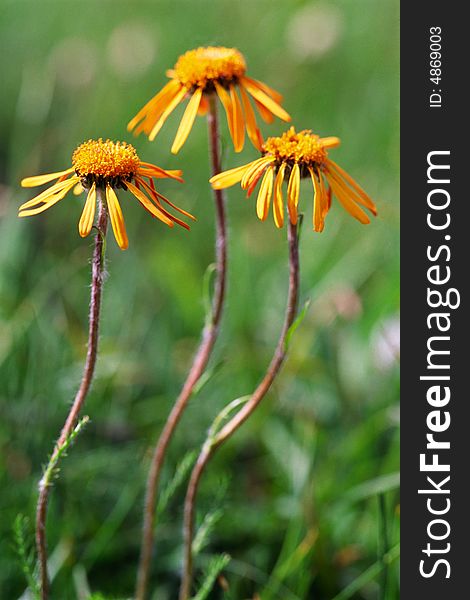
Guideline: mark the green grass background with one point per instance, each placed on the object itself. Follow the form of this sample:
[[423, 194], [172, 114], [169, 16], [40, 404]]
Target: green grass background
[[298, 490]]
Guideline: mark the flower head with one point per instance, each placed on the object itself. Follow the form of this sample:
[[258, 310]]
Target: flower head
[[104, 167], [292, 156], [203, 72]]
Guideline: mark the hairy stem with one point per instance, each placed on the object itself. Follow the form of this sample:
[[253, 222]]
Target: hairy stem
[[242, 415], [45, 483], [201, 358]]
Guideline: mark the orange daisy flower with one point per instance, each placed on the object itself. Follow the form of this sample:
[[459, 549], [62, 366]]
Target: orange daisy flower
[[293, 156], [99, 166], [200, 73]]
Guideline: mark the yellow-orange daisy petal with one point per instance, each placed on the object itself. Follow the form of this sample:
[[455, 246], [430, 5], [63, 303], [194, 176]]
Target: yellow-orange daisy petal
[[293, 191], [88, 214], [147, 204], [264, 195], [265, 100], [48, 201], [278, 204], [276, 96], [116, 218], [154, 107], [187, 121], [41, 179], [339, 173], [318, 223], [238, 123], [251, 126], [257, 167], [172, 104], [228, 178]]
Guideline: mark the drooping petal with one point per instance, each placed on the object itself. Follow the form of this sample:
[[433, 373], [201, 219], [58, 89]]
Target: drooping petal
[[330, 142], [54, 189], [238, 123], [293, 190], [256, 168], [88, 214], [116, 218], [318, 223], [264, 194], [278, 204], [147, 204], [172, 104], [361, 196], [266, 89], [251, 126], [48, 201], [41, 179], [266, 115], [265, 100], [187, 121], [325, 195], [227, 104], [153, 105], [352, 208], [203, 106], [158, 172], [228, 178], [156, 197]]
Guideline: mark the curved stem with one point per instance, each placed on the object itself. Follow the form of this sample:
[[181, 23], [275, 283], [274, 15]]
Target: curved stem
[[201, 358], [235, 422], [97, 278]]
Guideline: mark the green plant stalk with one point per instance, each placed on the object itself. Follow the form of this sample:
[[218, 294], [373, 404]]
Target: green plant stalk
[[97, 278], [218, 438], [199, 364]]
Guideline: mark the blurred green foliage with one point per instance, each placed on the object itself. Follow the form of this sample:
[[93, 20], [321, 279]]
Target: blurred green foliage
[[299, 484]]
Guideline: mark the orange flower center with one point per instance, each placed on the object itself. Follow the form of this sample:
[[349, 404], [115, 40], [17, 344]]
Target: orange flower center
[[304, 147], [99, 161], [202, 66]]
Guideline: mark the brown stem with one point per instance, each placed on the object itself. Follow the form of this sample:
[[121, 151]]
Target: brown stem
[[201, 358], [97, 278], [235, 422]]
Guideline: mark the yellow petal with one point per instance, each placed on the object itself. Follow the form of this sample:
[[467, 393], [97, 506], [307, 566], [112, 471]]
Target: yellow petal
[[293, 190], [251, 126], [325, 196], [265, 100], [116, 218], [40, 179], [254, 171], [278, 204], [330, 142], [227, 104], [151, 208], [318, 223], [88, 214], [159, 173], [78, 189], [155, 104], [238, 124], [203, 106], [172, 104], [228, 178], [267, 116], [337, 173], [264, 194], [54, 189], [265, 88], [156, 197], [187, 121], [50, 201], [352, 208]]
